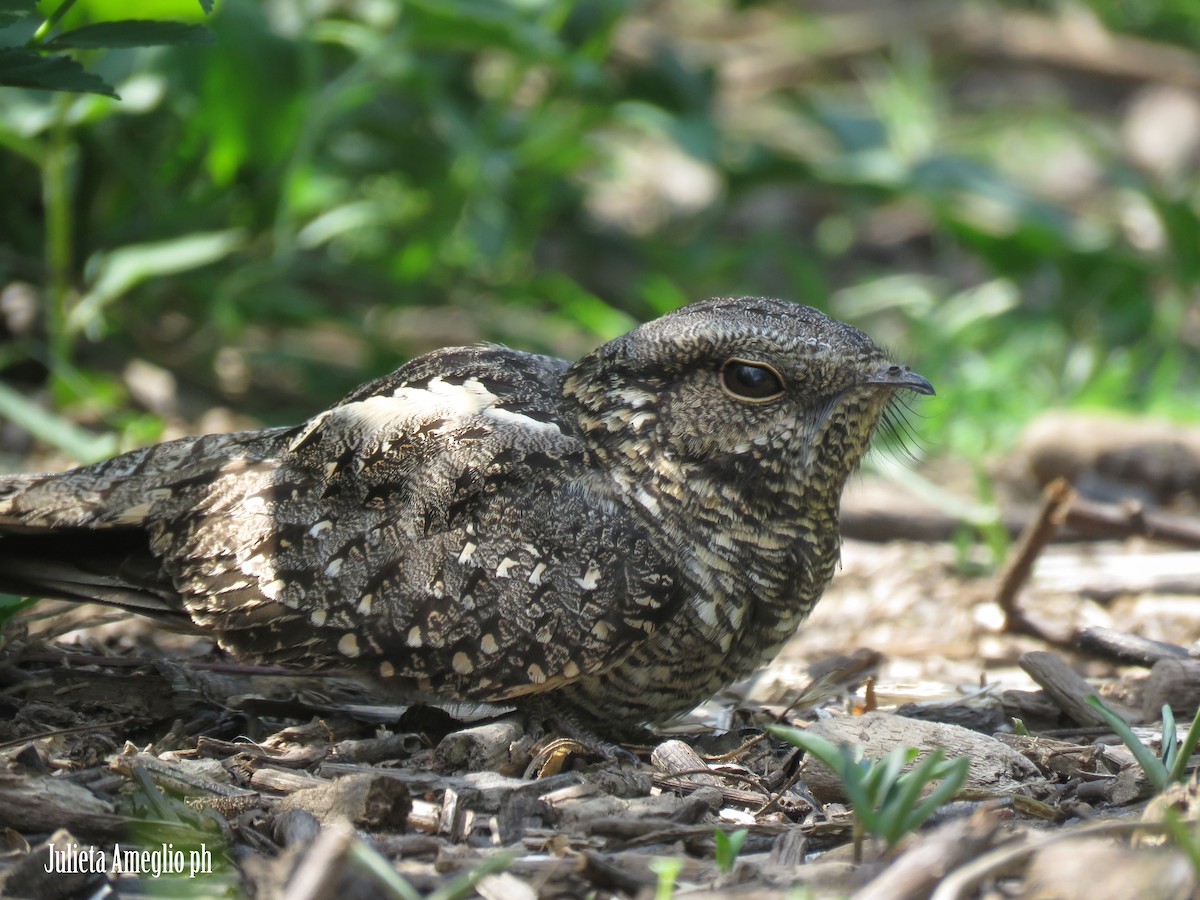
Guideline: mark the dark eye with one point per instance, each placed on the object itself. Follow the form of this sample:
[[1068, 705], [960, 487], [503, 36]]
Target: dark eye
[[750, 381]]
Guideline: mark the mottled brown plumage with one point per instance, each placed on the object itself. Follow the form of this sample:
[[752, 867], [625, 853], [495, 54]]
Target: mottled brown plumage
[[618, 538]]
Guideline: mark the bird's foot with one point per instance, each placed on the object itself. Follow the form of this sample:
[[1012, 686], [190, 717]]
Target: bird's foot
[[572, 736]]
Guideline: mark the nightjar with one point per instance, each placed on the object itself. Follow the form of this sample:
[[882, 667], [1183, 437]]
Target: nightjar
[[618, 538]]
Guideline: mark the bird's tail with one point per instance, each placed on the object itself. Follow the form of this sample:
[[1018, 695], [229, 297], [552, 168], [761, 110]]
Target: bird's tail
[[87, 534], [56, 542]]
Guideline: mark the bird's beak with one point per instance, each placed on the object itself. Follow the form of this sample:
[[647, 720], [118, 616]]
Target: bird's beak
[[900, 377]]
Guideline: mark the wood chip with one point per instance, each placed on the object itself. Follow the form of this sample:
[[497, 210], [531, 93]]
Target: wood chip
[[1069, 870], [1126, 649], [482, 748], [505, 886], [678, 759], [1175, 682], [1065, 687], [374, 802]]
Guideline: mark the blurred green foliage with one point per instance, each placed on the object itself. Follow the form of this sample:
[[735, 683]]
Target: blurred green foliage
[[331, 187]]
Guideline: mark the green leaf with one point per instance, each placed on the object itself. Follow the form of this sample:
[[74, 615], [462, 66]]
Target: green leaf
[[584, 307], [481, 24], [729, 844], [54, 430], [28, 69], [12, 10], [10, 605], [883, 774], [130, 33], [953, 774], [206, 5], [823, 749], [1169, 745], [667, 868], [118, 271], [895, 808], [884, 801], [853, 779], [899, 816]]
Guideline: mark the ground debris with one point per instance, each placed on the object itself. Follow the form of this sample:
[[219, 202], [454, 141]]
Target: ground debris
[[298, 787]]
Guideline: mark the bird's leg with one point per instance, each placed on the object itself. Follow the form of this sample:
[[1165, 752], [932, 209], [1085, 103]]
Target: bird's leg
[[544, 713]]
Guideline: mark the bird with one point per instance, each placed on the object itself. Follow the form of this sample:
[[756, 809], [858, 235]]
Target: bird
[[612, 540]]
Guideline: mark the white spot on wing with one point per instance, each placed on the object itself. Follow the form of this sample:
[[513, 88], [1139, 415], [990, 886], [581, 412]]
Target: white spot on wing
[[134, 514], [590, 579], [508, 417], [313, 424], [635, 397], [436, 400], [348, 645], [707, 611], [505, 565], [641, 419], [468, 551]]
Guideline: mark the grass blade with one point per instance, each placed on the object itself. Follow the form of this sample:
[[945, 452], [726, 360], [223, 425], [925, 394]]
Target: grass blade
[[953, 774], [1169, 745], [1151, 764], [1185, 750]]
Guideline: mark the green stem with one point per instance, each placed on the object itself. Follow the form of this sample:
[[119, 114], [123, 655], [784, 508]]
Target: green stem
[[53, 19], [57, 189]]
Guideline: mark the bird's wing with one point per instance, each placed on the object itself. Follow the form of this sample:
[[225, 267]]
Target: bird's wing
[[442, 527]]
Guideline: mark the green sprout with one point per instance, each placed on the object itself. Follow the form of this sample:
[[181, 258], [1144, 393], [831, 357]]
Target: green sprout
[[729, 844], [885, 799], [1170, 766], [667, 868]]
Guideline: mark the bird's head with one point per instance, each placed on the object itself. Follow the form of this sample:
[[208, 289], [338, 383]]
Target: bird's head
[[763, 396]]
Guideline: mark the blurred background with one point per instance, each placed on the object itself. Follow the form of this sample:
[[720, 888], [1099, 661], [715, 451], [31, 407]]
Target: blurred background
[[1004, 193]]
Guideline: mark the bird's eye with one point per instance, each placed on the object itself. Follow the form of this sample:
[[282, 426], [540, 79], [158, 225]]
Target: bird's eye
[[751, 381]]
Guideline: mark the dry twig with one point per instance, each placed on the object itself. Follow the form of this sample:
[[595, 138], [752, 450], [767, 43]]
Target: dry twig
[[1057, 496]]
